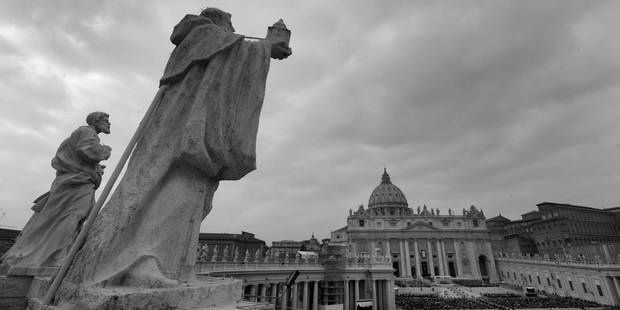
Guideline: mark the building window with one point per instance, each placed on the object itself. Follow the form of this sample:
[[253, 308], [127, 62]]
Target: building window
[[570, 283], [585, 288], [548, 282], [538, 277], [600, 290], [361, 223], [530, 277], [514, 275], [559, 283]]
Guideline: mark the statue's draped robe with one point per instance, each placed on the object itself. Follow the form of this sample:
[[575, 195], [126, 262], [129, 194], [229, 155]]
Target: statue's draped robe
[[48, 235], [203, 130]]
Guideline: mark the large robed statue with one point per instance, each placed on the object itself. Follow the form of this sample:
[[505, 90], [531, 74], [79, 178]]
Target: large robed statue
[[202, 131]]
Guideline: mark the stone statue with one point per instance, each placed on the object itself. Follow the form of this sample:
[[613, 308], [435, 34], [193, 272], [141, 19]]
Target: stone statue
[[203, 131], [47, 237], [225, 254], [450, 212], [236, 257]]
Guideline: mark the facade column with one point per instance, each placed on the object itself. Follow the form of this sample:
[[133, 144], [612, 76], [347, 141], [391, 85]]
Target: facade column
[[374, 295], [472, 257], [445, 257], [346, 295], [402, 272], [357, 290], [407, 260], [391, 295], [418, 271], [304, 301], [457, 253], [429, 249], [371, 251], [315, 296], [294, 297], [354, 248], [388, 250], [442, 272], [492, 269]]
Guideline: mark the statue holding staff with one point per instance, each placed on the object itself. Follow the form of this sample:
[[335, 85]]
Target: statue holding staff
[[203, 130]]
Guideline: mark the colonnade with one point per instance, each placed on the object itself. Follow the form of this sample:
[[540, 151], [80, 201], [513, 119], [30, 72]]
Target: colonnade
[[306, 295]]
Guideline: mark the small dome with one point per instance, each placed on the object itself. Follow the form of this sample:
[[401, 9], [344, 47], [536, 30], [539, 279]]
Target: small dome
[[387, 194]]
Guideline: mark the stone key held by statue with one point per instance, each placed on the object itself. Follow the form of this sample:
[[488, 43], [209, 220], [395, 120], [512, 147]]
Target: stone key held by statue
[[276, 33]]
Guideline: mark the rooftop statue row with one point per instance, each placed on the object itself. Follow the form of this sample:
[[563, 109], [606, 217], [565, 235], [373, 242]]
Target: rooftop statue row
[[473, 212]]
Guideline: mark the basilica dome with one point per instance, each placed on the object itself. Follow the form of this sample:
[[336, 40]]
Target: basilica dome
[[387, 194]]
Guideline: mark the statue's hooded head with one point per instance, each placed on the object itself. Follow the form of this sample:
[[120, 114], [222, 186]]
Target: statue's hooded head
[[219, 17]]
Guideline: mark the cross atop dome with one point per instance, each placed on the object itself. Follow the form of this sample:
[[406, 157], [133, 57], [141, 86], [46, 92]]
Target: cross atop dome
[[385, 178]]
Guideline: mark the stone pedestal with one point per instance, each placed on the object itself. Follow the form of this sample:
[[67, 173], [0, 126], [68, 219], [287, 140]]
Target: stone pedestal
[[14, 292], [21, 293]]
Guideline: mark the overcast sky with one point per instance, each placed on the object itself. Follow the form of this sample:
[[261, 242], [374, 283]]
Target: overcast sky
[[500, 104]]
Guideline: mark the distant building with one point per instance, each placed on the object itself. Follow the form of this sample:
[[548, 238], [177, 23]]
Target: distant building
[[557, 229], [226, 246], [291, 247], [422, 243]]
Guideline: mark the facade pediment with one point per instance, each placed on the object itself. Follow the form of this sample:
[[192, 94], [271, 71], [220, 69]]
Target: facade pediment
[[421, 226]]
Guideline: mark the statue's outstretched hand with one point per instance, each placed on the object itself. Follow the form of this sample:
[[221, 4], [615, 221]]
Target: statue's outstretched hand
[[279, 50]]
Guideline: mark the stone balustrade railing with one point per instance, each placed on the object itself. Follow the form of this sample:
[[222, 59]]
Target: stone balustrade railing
[[564, 260], [274, 263]]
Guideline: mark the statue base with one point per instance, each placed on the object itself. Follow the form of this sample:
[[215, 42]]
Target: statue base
[[206, 293]]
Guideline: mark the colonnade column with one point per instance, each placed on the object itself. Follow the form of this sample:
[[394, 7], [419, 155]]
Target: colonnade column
[[431, 264], [263, 293], [457, 252], [315, 296], [284, 296], [407, 260], [418, 271], [294, 297], [346, 295], [442, 272], [374, 295], [304, 302], [274, 290], [391, 298], [357, 290], [253, 293]]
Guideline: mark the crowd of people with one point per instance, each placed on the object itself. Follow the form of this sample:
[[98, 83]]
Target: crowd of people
[[520, 302], [434, 302], [473, 283], [412, 283]]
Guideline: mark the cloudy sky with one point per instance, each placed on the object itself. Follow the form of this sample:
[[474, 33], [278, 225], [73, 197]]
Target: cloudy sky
[[500, 104]]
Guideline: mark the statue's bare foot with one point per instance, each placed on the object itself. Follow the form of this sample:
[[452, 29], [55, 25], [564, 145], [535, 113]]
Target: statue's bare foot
[[147, 274]]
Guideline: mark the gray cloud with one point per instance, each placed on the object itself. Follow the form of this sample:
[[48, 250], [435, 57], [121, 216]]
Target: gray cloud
[[500, 104]]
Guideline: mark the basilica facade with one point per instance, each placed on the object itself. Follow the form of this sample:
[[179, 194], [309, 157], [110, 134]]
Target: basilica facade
[[423, 243]]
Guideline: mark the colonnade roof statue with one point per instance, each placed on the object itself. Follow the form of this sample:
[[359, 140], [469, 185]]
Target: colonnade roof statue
[[202, 130]]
